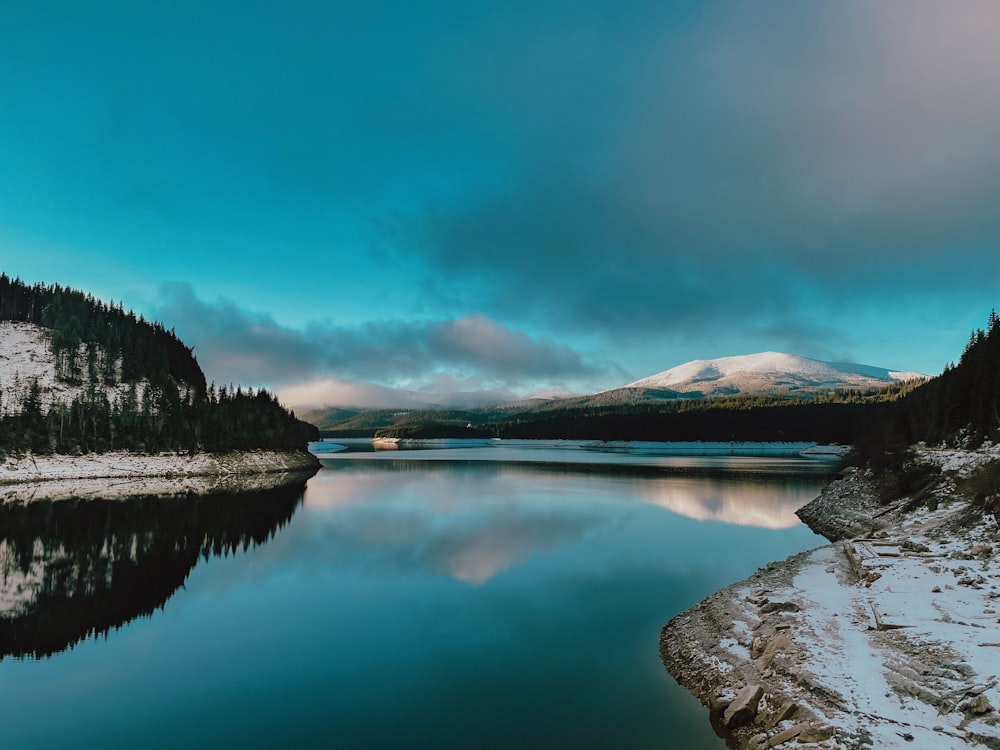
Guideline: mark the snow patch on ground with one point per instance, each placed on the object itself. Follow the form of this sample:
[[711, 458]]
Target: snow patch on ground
[[129, 474], [887, 640], [25, 356]]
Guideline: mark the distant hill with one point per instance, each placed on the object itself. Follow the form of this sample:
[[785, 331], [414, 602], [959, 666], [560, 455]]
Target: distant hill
[[765, 373], [829, 415]]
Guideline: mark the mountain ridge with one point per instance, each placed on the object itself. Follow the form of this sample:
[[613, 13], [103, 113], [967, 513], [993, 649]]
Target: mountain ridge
[[766, 373]]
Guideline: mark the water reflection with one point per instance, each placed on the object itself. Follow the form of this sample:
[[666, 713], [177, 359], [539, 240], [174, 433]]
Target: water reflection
[[486, 605], [769, 504], [70, 569], [483, 521], [488, 517]]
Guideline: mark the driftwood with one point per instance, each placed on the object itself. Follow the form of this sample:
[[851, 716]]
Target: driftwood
[[877, 542], [880, 625], [888, 510], [852, 558]]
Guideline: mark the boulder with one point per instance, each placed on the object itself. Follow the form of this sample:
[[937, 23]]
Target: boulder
[[814, 733], [787, 735], [743, 708], [785, 711], [978, 705]]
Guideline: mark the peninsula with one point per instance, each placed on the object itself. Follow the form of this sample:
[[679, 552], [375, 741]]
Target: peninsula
[[90, 391]]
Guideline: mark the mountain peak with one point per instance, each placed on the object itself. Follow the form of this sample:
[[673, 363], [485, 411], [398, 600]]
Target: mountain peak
[[768, 373]]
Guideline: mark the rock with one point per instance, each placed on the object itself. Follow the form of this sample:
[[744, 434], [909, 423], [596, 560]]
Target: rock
[[779, 607], [720, 703], [743, 708], [780, 641], [785, 711], [816, 734], [972, 582], [789, 734], [979, 705]]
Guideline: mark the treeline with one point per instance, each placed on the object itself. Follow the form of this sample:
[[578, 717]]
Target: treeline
[[97, 342], [962, 405], [160, 419], [739, 417], [824, 423], [137, 387]]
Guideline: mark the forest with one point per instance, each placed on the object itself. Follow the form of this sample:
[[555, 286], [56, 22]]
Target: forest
[[839, 416], [962, 405], [137, 387]]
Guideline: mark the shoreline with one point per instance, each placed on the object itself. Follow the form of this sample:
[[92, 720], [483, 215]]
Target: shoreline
[[887, 638], [122, 474]]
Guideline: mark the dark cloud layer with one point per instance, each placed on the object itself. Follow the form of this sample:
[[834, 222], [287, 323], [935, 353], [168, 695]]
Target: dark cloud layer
[[770, 159]]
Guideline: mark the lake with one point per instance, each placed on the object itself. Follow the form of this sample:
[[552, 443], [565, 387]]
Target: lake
[[461, 597]]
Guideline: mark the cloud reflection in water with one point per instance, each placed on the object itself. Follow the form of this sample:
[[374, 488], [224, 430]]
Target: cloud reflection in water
[[769, 505], [471, 525], [500, 519]]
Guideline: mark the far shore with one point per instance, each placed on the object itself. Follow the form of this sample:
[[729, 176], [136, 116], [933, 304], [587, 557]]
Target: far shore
[[121, 473]]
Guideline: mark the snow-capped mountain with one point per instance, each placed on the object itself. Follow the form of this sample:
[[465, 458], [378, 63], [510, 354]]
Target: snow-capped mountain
[[767, 373]]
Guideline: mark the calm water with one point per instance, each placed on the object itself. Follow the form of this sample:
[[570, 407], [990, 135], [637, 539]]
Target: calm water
[[422, 599]]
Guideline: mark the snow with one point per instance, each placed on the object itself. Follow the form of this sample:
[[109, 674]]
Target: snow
[[960, 461], [121, 475], [25, 356], [769, 371], [874, 669], [841, 654]]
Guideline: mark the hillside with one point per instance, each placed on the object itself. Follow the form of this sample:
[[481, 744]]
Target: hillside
[[79, 376]]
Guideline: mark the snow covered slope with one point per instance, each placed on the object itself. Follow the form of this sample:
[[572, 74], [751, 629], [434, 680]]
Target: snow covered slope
[[768, 373], [25, 356]]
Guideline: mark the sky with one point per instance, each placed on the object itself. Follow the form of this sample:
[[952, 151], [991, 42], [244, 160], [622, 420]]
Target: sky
[[395, 203]]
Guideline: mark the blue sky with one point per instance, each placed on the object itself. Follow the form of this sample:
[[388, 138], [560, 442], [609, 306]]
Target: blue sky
[[387, 202]]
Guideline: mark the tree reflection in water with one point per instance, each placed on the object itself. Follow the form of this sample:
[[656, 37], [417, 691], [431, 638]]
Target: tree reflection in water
[[71, 569]]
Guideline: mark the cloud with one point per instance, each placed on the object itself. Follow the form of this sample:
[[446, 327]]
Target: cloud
[[744, 163], [468, 359]]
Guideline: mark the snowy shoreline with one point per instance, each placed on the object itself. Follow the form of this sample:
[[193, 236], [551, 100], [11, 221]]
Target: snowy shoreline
[[888, 639], [123, 474]]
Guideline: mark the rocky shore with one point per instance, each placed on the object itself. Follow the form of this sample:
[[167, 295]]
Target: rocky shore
[[887, 638], [128, 474]]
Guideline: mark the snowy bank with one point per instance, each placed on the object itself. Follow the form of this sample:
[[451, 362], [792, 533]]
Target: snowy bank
[[124, 474], [887, 640]]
